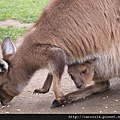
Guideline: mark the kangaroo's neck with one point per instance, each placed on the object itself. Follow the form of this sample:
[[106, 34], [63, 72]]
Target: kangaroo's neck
[[21, 70]]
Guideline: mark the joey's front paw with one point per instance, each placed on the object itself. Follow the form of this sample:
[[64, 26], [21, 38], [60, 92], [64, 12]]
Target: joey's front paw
[[58, 103]]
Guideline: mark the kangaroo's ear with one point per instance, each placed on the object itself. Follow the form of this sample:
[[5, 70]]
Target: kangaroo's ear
[[8, 48]]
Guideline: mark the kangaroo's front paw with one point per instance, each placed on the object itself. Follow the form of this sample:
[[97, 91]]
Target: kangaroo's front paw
[[5, 104], [39, 91], [58, 103]]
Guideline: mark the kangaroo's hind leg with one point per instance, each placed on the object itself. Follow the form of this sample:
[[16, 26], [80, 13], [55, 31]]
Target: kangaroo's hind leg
[[55, 60]]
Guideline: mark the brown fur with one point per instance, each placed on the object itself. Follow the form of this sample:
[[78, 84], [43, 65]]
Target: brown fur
[[81, 74], [67, 32]]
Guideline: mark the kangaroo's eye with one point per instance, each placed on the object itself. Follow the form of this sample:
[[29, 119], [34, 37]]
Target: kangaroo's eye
[[0, 87], [72, 76], [84, 71]]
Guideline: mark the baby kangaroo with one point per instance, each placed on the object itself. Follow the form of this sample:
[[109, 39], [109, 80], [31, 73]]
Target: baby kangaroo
[[81, 74]]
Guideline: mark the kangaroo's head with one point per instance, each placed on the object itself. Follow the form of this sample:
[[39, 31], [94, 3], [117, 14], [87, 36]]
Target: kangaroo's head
[[81, 74], [6, 93]]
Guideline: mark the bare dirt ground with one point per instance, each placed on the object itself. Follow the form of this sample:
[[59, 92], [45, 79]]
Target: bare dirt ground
[[13, 23], [28, 103]]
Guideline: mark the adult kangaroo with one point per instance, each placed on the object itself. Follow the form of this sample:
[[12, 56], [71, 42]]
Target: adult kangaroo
[[68, 32]]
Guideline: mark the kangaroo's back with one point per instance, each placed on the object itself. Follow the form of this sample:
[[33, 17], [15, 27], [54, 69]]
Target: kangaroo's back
[[81, 28]]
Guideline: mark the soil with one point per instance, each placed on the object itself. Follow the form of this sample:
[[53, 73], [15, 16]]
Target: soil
[[106, 102], [13, 23]]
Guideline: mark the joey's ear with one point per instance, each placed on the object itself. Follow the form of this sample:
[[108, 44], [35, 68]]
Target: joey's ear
[[8, 47], [92, 61]]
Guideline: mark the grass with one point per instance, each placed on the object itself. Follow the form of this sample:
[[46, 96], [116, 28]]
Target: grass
[[24, 11], [11, 32]]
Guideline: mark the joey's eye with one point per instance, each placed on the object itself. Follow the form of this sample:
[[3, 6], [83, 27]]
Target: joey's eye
[[72, 76], [84, 71]]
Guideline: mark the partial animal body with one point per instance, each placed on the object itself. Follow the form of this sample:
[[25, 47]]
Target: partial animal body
[[81, 74], [68, 32]]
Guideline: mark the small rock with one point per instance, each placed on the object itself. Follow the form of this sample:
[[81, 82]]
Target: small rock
[[63, 105], [106, 107], [8, 106], [116, 100], [7, 112], [115, 111], [100, 111], [4, 106], [18, 110], [103, 98], [83, 108], [73, 103], [39, 112]]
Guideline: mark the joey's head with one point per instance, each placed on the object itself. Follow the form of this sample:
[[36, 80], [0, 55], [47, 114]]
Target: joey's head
[[81, 74], [6, 93]]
